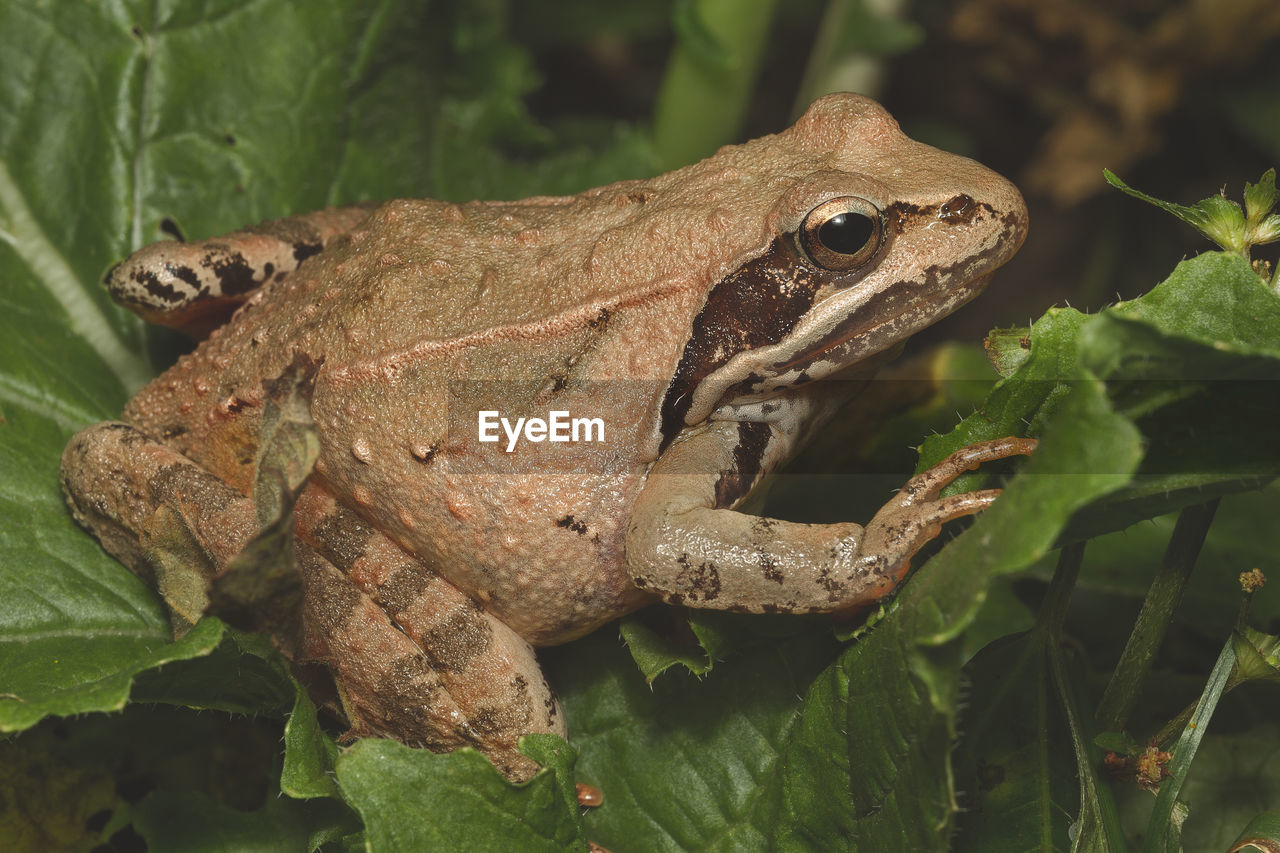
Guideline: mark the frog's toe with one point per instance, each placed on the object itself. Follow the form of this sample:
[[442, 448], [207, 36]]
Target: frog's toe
[[165, 517], [115, 478], [926, 485]]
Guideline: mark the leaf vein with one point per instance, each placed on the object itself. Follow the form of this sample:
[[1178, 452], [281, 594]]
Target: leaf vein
[[51, 269]]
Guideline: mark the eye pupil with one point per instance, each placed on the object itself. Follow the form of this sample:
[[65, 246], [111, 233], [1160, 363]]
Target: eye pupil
[[841, 234], [846, 233]]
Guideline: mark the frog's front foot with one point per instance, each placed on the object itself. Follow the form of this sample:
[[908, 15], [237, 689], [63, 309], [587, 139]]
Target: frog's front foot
[[916, 514]]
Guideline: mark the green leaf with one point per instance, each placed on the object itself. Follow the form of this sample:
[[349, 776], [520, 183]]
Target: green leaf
[[1257, 655], [1211, 318], [362, 100], [659, 638], [116, 127], [1215, 217], [1002, 613], [699, 40], [1221, 220], [1023, 402], [1260, 198], [1015, 763], [691, 762], [1084, 437], [129, 143], [1008, 348], [63, 673], [411, 799], [887, 738], [707, 86], [305, 115], [1100, 449], [1164, 830], [310, 755], [1192, 361], [868, 29], [190, 822], [1262, 834]]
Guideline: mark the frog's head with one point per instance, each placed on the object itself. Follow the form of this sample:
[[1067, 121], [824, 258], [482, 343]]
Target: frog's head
[[874, 237]]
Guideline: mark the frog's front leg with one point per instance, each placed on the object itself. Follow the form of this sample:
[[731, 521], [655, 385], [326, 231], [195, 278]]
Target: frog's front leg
[[195, 287], [687, 546]]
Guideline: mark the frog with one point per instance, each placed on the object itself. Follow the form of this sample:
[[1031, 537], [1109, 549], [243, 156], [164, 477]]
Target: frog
[[711, 318]]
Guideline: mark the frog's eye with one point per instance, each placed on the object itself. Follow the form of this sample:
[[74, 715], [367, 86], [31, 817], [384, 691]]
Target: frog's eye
[[842, 233]]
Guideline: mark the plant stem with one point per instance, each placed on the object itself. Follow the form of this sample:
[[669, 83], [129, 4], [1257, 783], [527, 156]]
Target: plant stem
[[1053, 610], [824, 46], [1097, 826], [1153, 620], [1173, 729], [1164, 828], [707, 87]]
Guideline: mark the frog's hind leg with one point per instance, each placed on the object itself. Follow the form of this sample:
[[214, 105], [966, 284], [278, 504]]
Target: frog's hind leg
[[434, 669], [195, 287], [415, 659]]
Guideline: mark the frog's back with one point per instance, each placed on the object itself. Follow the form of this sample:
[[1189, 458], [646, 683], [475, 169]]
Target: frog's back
[[607, 283], [464, 290], [450, 290]]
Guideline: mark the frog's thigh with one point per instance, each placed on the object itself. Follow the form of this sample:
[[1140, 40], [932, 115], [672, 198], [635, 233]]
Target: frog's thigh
[[143, 499], [195, 286], [474, 680]]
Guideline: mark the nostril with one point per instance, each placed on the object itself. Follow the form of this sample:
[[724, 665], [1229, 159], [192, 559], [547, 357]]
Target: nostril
[[958, 210]]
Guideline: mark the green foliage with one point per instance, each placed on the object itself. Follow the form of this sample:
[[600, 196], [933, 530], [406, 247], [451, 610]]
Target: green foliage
[[413, 800], [707, 89], [1262, 832], [188, 822], [788, 738], [1221, 220]]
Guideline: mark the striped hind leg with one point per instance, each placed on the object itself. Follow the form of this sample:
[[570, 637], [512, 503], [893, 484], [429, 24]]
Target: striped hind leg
[[414, 658]]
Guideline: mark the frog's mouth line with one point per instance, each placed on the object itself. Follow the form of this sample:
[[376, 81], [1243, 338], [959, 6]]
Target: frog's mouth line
[[850, 342]]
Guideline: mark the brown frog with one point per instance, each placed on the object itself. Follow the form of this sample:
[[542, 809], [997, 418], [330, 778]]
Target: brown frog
[[700, 325]]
